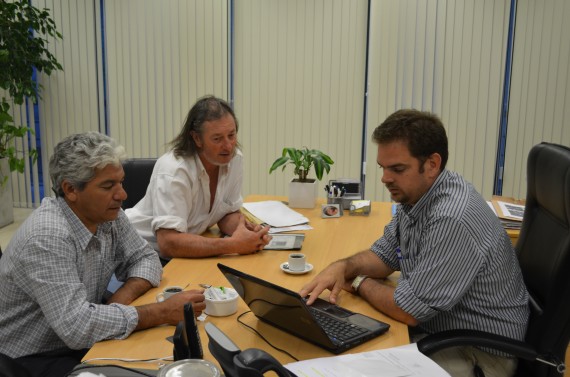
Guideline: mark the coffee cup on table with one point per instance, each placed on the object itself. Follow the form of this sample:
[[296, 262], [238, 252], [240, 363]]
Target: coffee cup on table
[[297, 262], [168, 292]]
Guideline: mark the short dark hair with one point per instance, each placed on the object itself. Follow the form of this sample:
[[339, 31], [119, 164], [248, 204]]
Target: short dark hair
[[206, 109], [422, 131]]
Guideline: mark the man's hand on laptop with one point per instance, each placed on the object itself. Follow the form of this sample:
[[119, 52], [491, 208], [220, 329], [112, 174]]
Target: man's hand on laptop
[[331, 278]]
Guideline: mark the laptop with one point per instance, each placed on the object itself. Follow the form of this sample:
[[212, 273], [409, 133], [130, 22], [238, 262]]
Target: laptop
[[324, 324]]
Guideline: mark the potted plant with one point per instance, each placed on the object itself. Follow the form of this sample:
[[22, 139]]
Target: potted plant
[[303, 190], [24, 30]]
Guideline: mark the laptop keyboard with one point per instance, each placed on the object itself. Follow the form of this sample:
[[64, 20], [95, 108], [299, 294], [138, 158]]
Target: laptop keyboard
[[335, 328]]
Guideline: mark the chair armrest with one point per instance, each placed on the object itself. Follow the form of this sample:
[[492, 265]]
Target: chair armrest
[[453, 338]]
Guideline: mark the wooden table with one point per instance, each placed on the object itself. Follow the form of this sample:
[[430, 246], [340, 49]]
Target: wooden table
[[329, 240]]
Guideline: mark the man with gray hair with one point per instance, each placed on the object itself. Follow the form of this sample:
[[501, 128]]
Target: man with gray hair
[[54, 273]]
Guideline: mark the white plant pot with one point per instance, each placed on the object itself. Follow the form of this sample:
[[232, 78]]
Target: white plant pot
[[6, 202], [302, 194]]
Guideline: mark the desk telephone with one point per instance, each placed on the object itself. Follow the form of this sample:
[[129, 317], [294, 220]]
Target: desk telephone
[[187, 344], [252, 362]]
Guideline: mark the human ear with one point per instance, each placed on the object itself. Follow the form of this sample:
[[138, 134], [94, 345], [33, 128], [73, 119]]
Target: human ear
[[196, 139], [69, 191], [434, 163]]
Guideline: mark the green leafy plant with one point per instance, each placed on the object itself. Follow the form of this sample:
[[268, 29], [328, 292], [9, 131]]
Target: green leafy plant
[[24, 30], [303, 160]]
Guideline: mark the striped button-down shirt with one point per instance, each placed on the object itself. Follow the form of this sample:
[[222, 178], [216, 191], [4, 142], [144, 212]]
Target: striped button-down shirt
[[53, 276], [458, 267]]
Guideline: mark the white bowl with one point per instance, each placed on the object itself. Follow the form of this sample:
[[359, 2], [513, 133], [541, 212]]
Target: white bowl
[[221, 301]]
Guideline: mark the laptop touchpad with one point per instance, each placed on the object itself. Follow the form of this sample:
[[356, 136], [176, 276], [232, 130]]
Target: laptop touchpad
[[366, 322]]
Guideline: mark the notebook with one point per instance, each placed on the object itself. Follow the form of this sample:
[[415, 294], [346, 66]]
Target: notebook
[[286, 310]]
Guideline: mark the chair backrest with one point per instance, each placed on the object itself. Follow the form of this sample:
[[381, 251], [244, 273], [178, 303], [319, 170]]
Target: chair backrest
[[543, 250], [137, 177]]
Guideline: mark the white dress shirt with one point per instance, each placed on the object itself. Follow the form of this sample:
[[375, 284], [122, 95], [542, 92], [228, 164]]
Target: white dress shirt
[[178, 197]]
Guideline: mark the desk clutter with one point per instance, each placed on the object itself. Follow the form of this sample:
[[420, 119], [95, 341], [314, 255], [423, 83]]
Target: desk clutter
[[509, 210], [343, 191], [345, 194]]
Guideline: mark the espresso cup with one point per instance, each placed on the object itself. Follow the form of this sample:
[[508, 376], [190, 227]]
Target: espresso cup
[[297, 262], [168, 292]]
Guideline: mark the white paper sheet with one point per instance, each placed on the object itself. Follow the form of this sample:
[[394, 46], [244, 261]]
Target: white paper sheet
[[275, 213], [516, 211], [404, 361], [282, 229]]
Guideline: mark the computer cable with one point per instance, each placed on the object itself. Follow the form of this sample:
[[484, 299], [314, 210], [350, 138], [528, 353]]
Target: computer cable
[[166, 358], [262, 337], [87, 368]]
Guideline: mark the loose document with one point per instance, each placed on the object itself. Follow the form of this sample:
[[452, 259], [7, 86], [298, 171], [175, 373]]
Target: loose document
[[403, 361], [277, 215]]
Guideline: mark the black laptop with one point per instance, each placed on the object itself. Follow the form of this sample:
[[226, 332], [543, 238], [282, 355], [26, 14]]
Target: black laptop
[[324, 324]]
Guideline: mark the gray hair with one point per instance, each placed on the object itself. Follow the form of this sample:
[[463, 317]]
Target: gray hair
[[76, 157]]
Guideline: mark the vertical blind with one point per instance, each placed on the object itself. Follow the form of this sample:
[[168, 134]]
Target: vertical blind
[[161, 56], [446, 57], [69, 101], [299, 77], [539, 106], [299, 82]]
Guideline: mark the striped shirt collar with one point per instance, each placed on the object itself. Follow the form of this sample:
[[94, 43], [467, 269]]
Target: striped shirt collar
[[414, 211]]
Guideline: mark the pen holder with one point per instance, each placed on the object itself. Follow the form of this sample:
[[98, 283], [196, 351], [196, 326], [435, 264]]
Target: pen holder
[[336, 200]]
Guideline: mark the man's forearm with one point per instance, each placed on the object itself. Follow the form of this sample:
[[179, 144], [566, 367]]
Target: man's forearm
[[131, 290], [185, 245], [365, 263], [381, 296], [229, 223]]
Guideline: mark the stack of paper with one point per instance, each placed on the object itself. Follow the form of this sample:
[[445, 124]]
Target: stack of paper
[[509, 211], [392, 362], [275, 214]]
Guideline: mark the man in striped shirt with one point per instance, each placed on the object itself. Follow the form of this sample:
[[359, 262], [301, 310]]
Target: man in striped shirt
[[458, 267]]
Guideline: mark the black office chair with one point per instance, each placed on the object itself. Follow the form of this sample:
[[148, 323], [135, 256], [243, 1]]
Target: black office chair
[[543, 251], [11, 368], [137, 178]]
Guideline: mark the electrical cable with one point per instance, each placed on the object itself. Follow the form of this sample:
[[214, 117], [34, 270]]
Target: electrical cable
[[262, 337], [82, 367]]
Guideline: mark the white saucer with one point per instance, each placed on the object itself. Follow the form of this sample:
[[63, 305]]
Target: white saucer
[[285, 268]]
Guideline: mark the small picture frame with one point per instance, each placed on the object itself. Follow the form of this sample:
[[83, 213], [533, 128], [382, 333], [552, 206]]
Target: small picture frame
[[330, 210]]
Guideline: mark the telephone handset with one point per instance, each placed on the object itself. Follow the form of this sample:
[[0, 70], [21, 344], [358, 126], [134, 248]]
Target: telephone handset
[[252, 362], [187, 344]]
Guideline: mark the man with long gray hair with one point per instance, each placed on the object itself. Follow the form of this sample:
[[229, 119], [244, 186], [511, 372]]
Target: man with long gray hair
[[54, 273]]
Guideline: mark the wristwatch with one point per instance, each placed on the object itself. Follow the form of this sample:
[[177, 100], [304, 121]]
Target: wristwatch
[[357, 282]]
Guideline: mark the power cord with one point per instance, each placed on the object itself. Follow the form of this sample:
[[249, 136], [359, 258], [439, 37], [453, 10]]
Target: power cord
[[262, 337], [90, 367], [166, 358]]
